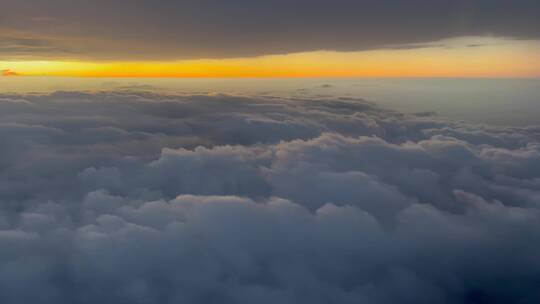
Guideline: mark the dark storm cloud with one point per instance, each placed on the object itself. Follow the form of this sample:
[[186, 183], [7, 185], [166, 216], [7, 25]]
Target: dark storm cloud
[[127, 197], [143, 29]]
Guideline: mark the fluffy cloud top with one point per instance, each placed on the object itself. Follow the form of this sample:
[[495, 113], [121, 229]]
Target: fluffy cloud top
[[125, 197]]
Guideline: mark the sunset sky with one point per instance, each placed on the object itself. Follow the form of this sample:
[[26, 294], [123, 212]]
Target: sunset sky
[[270, 151], [285, 39]]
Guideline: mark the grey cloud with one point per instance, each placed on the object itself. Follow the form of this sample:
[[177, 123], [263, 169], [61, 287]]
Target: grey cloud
[[138, 197], [15, 47], [171, 29]]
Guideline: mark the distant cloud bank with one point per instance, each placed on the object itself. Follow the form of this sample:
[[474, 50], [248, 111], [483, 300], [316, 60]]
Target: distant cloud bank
[[132, 197]]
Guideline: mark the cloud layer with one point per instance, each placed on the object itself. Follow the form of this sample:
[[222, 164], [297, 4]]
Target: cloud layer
[[170, 29], [133, 197]]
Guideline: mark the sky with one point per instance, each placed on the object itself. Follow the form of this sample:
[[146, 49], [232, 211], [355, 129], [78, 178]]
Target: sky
[[397, 188], [241, 38]]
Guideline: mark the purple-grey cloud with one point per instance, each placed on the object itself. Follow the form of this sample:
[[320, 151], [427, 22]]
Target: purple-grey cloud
[[127, 197], [171, 29]]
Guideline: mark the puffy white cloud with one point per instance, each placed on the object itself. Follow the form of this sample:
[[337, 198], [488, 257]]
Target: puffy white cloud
[[146, 198]]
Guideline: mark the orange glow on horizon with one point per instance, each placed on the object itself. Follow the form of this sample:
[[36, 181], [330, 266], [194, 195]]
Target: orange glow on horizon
[[515, 59]]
